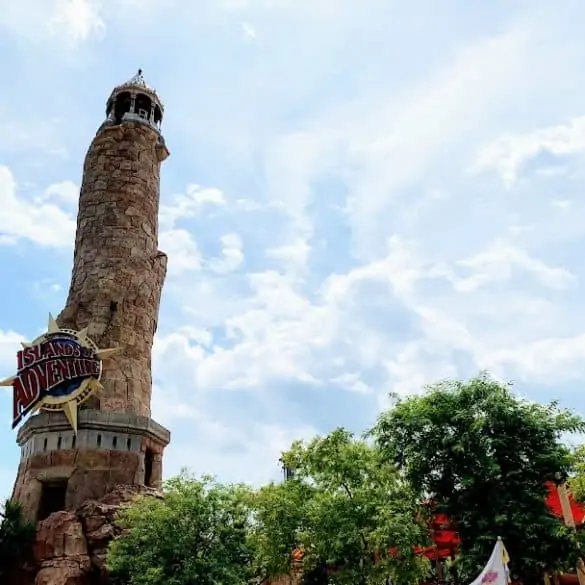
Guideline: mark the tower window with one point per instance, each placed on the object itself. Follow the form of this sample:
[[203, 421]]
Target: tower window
[[121, 106], [59, 442], [45, 444], [73, 440], [148, 465], [52, 498], [99, 441], [157, 115], [114, 442], [143, 106], [129, 444]]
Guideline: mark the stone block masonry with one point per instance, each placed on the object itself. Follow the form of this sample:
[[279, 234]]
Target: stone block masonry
[[109, 449], [118, 272], [115, 291], [72, 481]]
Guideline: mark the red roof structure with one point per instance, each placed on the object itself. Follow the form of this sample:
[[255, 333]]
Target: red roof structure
[[553, 501], [446, 540]]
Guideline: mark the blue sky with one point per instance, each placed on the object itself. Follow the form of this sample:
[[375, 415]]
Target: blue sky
[[361, 197]]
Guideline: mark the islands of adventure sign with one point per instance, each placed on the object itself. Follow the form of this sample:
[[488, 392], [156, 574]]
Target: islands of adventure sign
[[57, 371]]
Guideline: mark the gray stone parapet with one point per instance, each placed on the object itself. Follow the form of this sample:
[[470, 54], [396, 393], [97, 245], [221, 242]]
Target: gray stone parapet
[[96, 430]]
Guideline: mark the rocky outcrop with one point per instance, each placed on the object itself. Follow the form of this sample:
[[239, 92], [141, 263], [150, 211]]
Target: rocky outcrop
[[71, 546], [61, 550]]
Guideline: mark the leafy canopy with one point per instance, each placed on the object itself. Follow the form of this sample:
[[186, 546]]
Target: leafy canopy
[[484, 456], [577, 480], [344, 508], [196, 534]]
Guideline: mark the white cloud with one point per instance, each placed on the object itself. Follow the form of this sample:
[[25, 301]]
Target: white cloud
[[507, 154], [248, 31], [562, 203], [401, 268], [498, 262], [190, 205], [180, 245], [413, 367], [66, 192], [553, 359], [184, 253], [45, 224], [294, 254], [78, 19], [412, 129], [280, 334], [9, 345], [291, 163], [48, 289], [352, 381], [181, 249], [232, 255], [71, 20], [273, 338], [248, 205], [247, 452], [37, 134]]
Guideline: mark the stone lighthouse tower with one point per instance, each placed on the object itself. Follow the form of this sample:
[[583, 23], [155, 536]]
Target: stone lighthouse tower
[[70, 455]]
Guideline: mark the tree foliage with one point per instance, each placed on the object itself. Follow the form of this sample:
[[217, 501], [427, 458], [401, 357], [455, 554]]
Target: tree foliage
[[483, 455], [344, 508], [196, 534], [16, 537], [473, 449], [577, 479]]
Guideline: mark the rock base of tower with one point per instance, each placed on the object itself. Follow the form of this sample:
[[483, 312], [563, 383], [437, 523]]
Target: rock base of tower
[[60, 470], [71, 546]]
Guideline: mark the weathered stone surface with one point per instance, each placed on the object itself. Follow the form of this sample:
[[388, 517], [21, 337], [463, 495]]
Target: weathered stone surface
[[98, 521], [61, 550], [89, 474], [71, 546], [61, 537], [117, 279], [118, 272]]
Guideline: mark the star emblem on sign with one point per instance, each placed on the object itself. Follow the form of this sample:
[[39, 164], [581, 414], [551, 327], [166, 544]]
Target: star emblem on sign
[[59, 370]]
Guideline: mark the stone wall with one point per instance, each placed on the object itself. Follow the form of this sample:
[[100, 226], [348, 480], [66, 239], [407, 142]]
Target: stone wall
[[118, 272], [109, 449], [51, 431], [83, 439], [89, 475]]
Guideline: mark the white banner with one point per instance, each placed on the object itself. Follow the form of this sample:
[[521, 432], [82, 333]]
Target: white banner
[[496, 570]]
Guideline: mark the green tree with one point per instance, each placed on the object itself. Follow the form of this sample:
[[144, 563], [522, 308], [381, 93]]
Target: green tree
[[484, 456], [344, 509], [197, 533], [16, 538], [577, 479]]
